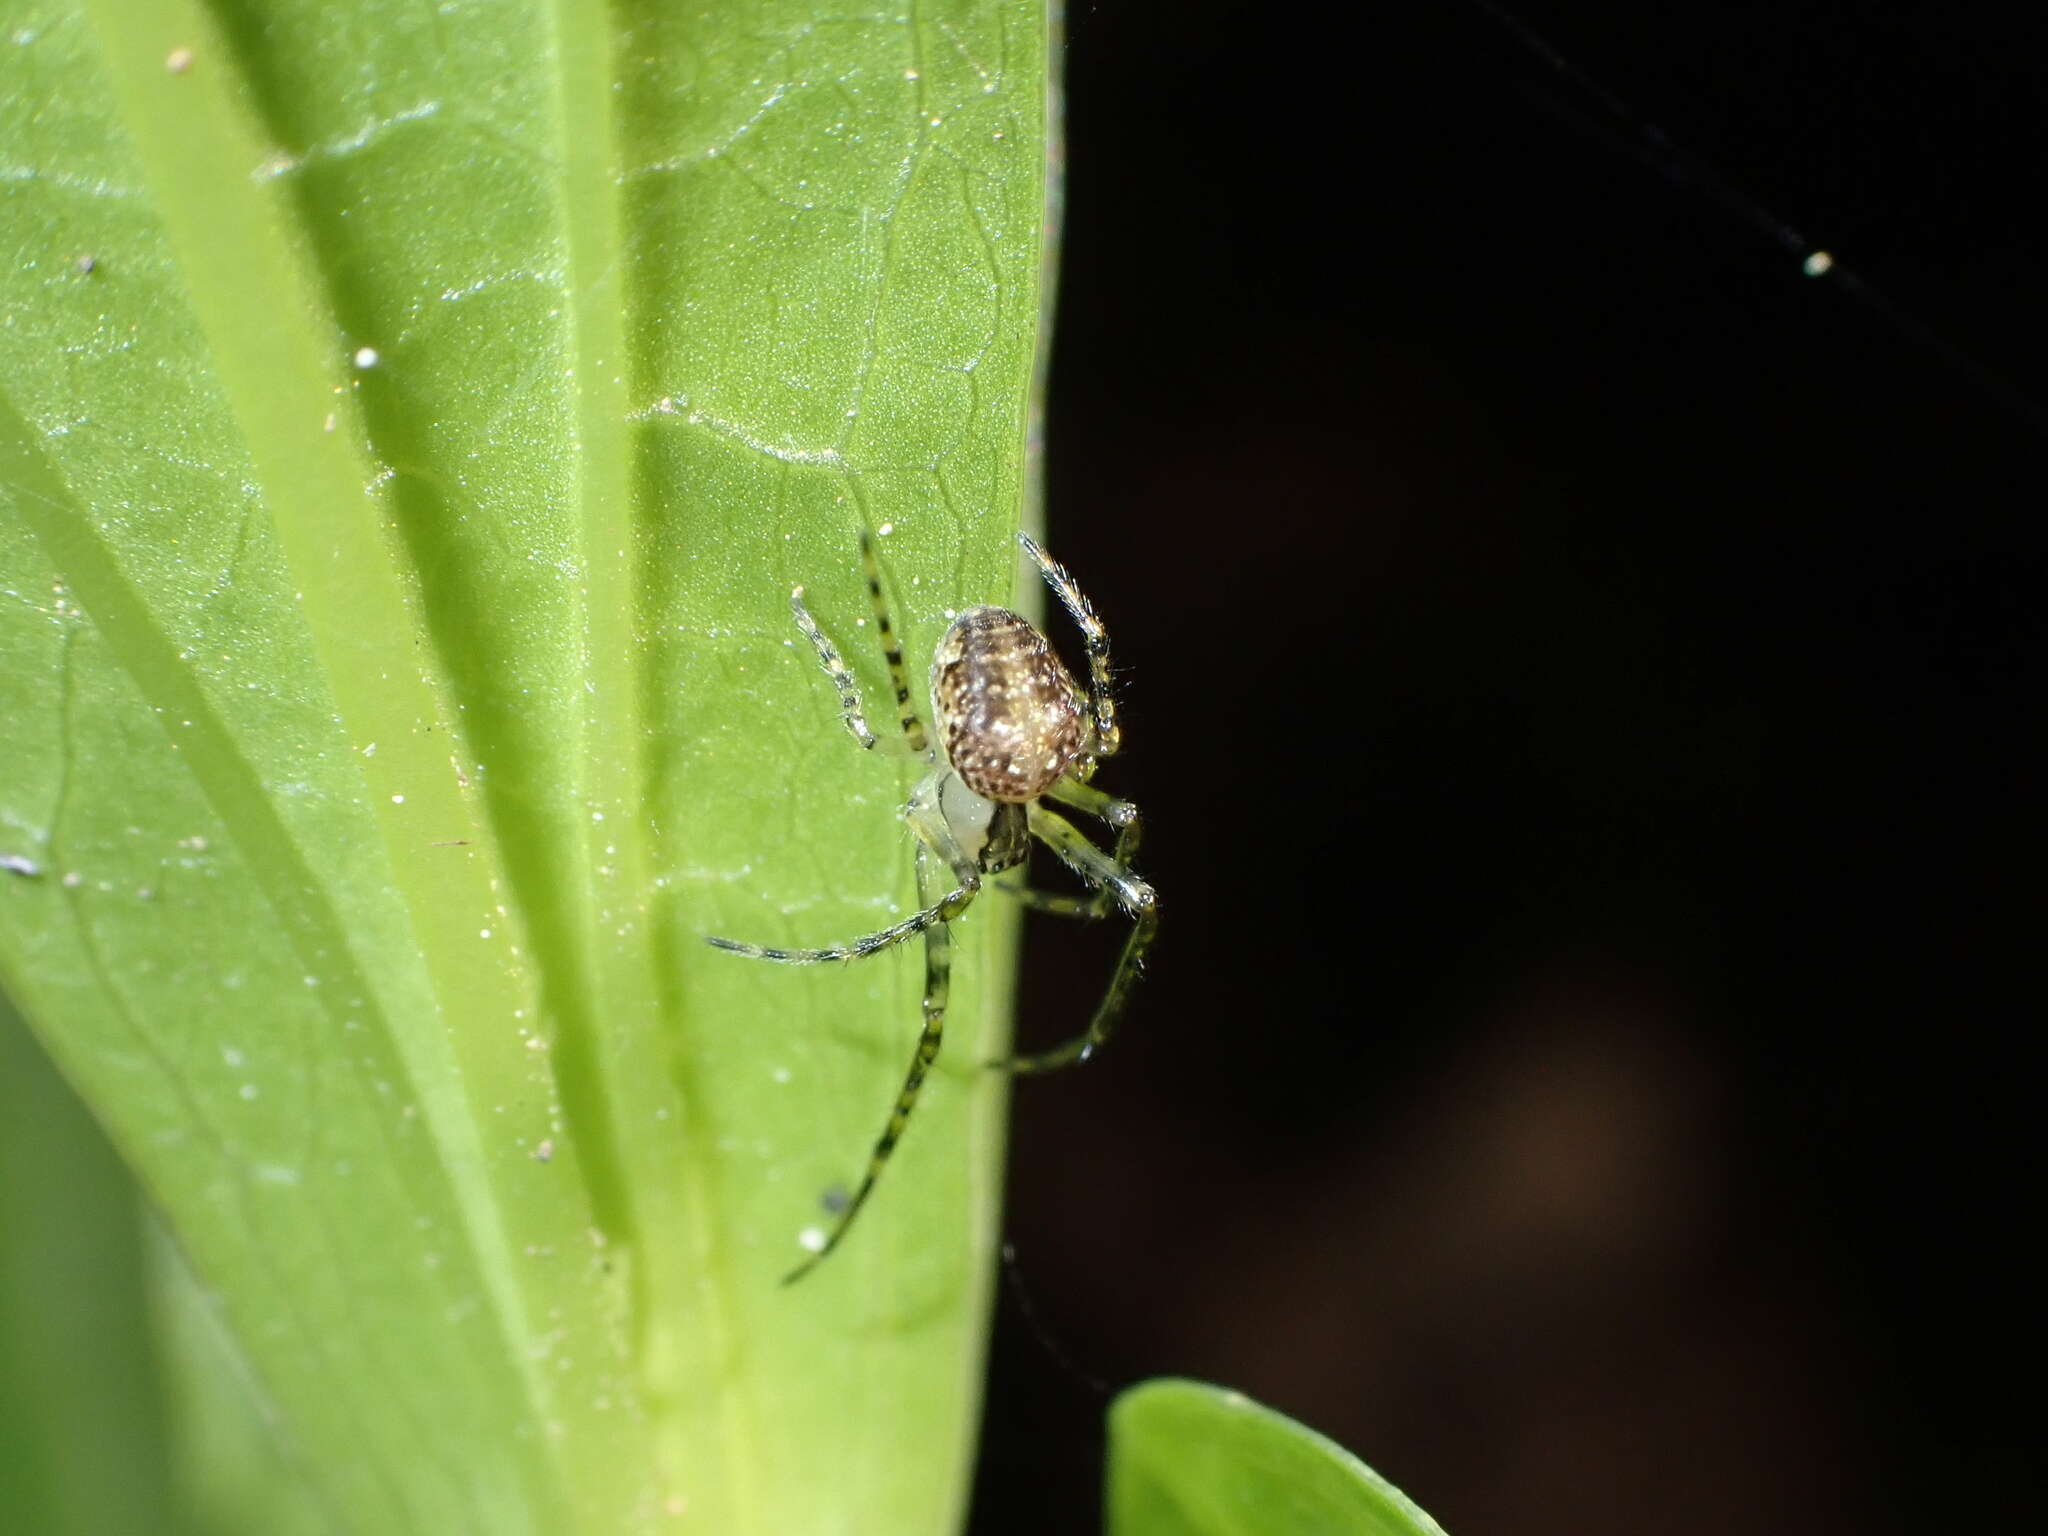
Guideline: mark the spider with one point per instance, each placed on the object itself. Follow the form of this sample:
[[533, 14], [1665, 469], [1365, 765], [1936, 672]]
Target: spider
[[1012, 730]]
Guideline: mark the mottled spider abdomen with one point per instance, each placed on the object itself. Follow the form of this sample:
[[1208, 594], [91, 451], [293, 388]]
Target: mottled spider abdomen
[[1010, 719]]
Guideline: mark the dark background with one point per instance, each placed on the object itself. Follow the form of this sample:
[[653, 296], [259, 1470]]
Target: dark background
[[1582, 676]]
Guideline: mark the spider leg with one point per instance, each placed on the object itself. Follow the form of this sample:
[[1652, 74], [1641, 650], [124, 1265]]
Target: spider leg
[[1101, 700], [1120, 814], [1134, 896], [938, 846], [892, 651], [842, 675], [1058, 903], [926, 816], [935, 916], [836, 669]]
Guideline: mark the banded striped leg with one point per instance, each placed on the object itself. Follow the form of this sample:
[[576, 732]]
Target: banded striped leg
[[836, 669], [1135, 897], [928, 920], [1058, 903], [938, 974], [892, 651], [842, 675], [927, 818], [1120, 814], [1101, 701]]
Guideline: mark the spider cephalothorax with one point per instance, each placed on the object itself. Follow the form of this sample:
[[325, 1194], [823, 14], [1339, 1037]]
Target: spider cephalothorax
[[1013, 730]]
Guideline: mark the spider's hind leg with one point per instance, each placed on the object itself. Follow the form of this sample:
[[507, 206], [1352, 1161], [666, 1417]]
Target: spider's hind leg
[[1101, 700], [836, 669], [892, 649], [913, 741]]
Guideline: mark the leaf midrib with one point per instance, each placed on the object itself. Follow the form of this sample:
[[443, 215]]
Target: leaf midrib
[[282, 375], [682, 1266]]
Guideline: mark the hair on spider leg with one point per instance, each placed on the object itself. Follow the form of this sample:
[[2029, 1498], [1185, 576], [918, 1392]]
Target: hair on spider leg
[[1011, 730]]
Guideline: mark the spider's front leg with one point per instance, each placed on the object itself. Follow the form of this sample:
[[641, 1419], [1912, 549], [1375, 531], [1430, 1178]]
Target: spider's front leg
[[937, 849], [927, 819], [1114, 877], [1119, 814], [939, 913]]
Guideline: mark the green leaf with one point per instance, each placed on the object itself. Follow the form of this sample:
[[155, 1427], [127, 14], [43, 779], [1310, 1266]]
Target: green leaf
[[413, 418], [1186, 1459], [82, 1438], [235, 1472]]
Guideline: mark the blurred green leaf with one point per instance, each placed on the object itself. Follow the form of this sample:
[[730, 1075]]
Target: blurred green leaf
[[1187, 1459], [236, 1468], [83, 1446], [413, 418]]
